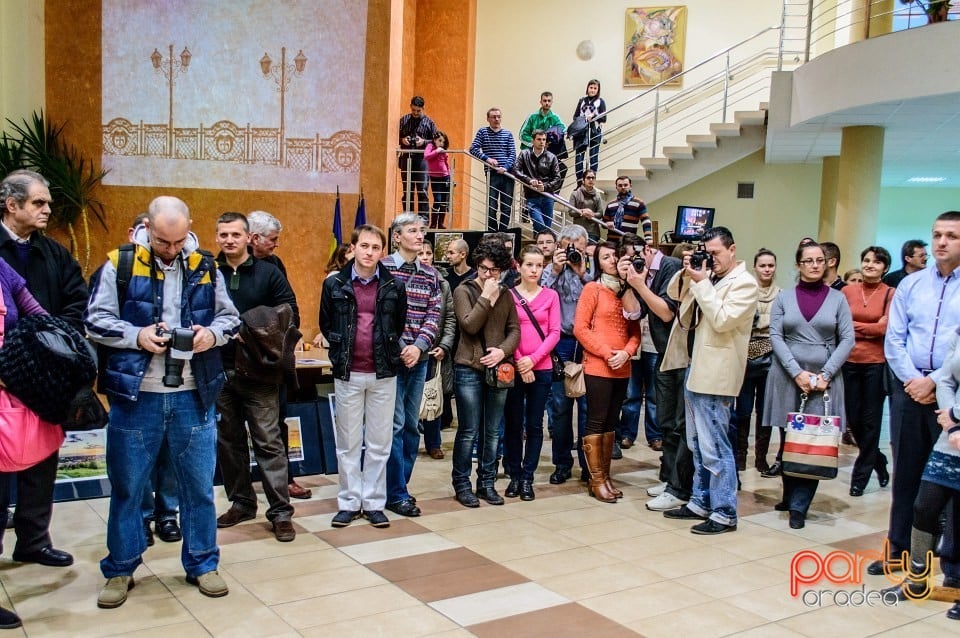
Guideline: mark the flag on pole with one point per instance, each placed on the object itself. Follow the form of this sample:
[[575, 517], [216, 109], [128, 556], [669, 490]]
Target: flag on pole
[[361, 218], [337, 238]]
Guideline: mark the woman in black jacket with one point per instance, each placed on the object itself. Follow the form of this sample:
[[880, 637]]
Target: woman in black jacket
[[592, 108]]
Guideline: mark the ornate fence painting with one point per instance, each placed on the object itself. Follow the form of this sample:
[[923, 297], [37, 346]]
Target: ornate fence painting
[[250, 94], [654, 42]]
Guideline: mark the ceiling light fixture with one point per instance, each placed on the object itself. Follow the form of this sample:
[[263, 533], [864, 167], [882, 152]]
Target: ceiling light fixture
[[927, 180]]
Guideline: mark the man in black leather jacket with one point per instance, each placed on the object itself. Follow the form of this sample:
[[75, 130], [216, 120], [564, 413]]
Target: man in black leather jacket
[[362, 314]]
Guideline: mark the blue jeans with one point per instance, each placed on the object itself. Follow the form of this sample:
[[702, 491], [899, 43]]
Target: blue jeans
[[641, 390], [159, 501], [499, 200], [524, 415], [479, 409], [541, 212], [714, 467], [594, 150], [406, 433], [137, 431], [562, 435]]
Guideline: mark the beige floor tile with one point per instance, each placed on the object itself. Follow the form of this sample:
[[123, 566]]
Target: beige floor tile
[[598, 581], [773, 603], [465, 516], [474, 534], [359, 603], [291, 588], [644, 602], [79, 595], [191, 629], [715, 618], [557, 521], [686, 562], [771, 630], [634, 550], [570, 561], [733, 579], [312, 562], [617, 529], [505, 548], [269, 548], [132, 616], [411, 622], [398, 547], [846, 621], [497, 603]]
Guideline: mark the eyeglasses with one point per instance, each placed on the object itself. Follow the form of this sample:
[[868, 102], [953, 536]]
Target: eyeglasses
[[589, 177], [809, 261], [484, 270]]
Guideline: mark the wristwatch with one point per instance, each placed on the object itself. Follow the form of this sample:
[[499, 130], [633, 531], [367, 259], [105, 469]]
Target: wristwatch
[[825, 375]]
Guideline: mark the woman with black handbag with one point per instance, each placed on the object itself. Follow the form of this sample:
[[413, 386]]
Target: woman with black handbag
[[864, 371], [489, 334], [592, 109], [812, 334], [759, 356], [538, 310]]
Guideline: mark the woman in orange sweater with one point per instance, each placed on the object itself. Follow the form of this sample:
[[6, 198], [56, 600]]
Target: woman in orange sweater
[[864, 370], [609, 339]]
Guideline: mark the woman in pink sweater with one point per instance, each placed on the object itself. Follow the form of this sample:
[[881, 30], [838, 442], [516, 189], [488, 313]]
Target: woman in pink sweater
[[527, 399], [438, 170], [609, 339]]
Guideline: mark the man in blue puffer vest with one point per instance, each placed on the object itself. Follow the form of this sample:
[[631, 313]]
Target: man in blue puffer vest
[[153, 401]]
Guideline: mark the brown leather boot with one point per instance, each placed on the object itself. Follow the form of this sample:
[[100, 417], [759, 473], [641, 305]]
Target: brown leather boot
[[593, 451], [608, 440]]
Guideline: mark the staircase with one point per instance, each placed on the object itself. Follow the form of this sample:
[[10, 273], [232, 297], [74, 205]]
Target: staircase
[[701, 155]]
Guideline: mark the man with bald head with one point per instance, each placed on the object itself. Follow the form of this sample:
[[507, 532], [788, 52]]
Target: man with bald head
[[459, 270], [162, 374]]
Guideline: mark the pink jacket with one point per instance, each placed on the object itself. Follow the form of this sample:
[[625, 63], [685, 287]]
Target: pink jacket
[[438, 165]]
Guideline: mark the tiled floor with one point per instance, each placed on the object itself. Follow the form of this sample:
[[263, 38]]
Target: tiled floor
[[562, 565]]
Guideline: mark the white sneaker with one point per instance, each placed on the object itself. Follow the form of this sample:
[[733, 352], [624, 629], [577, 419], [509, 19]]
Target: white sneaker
[[657, 489], [664, 502]]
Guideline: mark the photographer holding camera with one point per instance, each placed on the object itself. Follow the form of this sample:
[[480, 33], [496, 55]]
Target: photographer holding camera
[[567, 275], [718, 299], [172, 286]]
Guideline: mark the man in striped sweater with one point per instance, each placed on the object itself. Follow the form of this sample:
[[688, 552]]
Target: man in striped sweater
[[494, 145], [627, 213], [422, 284]]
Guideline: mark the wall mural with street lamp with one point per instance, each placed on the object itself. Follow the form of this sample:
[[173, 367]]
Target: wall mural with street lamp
[[241, 95]]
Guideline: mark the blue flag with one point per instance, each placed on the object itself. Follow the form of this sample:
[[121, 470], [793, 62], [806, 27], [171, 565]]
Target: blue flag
[[361, 218], [337, 238]]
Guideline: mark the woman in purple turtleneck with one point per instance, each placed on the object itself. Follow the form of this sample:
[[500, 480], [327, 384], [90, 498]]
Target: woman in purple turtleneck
[[811, 331], [16, 297]]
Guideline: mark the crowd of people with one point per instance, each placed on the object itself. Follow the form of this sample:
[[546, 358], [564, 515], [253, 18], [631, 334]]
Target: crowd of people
[[196, 350], [539, 167]]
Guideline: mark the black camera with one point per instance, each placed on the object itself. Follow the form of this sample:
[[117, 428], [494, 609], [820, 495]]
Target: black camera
[[179, 349], [700, 257], [639, 263], [574, 256]]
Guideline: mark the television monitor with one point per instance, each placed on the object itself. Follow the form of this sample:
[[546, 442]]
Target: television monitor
[[692, 222]]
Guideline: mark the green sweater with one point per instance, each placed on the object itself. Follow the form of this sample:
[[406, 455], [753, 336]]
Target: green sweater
[[536, 121]]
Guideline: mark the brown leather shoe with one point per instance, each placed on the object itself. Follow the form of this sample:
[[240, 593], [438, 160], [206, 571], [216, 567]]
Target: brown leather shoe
[[233, 516], [656, 445], [436, 453], [284, 531], [298, 491], [593, 451], [626, 444]]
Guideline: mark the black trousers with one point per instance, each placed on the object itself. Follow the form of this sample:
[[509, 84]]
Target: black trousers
[[913, 432], [604, 399], [863, 396], [676, 464], [31, 520]]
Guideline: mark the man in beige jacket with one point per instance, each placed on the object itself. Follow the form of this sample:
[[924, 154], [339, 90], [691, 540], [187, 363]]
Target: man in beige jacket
[[718, 299]]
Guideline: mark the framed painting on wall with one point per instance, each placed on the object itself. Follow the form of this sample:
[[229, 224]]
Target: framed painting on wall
[[654, 42]]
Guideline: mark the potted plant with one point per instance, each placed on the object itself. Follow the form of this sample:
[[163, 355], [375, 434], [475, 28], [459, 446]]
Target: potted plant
[[42, 147]]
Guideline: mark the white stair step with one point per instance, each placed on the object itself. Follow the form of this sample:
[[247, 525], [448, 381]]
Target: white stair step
[[764, 106], [656, 163], [725, 129], [678, 152], [750, 118], [702, 141], [635, 174]]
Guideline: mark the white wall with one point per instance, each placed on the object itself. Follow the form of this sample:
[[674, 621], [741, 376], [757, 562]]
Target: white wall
[[22, 74], [529, 46], [908, 213]]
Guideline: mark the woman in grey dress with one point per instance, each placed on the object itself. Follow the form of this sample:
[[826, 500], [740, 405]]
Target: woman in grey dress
[[811, 331]]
